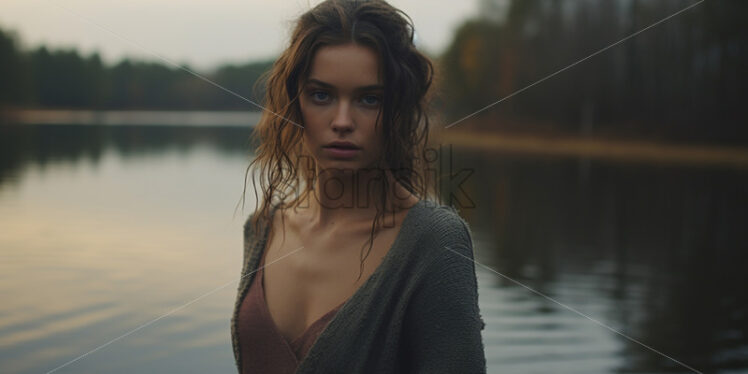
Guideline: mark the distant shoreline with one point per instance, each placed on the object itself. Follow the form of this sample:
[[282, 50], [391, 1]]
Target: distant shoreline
[[595, 148], [206, 118], [625, 150]]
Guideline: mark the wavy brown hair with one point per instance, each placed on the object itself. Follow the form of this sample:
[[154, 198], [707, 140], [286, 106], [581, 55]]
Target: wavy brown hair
[[285, 173]]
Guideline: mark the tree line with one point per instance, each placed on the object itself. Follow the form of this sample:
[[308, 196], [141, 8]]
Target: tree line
[[63, 78], [681, 79]]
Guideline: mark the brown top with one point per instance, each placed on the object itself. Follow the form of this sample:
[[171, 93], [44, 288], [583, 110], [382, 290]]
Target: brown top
[[264, 348]]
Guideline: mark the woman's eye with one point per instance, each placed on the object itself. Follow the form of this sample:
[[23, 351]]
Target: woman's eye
[[371, 100], [320, 96]]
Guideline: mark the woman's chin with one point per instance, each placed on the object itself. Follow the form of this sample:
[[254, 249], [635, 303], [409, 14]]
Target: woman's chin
[[345, 166]]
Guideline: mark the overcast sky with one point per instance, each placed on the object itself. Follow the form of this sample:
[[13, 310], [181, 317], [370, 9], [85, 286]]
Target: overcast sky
[[202, 33]]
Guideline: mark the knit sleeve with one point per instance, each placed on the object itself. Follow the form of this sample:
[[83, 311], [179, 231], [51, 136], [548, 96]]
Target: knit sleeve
[[443, 324], [249, 237]]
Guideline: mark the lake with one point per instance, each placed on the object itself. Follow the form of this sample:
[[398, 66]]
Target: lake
[[126, 240]]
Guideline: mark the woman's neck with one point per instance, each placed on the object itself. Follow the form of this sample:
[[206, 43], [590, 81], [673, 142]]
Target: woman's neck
[[348, 198]]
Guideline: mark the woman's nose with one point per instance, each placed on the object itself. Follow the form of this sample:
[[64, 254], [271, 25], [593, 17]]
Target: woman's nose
[[343, 120]]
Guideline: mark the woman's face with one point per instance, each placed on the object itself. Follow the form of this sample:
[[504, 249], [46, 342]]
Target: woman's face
[[340, 102]]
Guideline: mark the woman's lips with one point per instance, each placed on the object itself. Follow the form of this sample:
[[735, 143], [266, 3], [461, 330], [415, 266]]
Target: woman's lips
[[340, 152]]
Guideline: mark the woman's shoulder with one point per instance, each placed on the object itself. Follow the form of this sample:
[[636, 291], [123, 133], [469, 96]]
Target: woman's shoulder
[[256, 221], [256, 229], [443, 222], [251, 226], [441, 229]]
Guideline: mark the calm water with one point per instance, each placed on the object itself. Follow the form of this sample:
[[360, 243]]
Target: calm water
[[105, 229]]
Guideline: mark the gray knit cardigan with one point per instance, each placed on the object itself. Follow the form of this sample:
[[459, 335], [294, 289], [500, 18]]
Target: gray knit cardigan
[[417, 313]]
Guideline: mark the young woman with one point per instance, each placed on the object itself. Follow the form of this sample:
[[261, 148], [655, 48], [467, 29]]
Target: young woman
[[348, 268]]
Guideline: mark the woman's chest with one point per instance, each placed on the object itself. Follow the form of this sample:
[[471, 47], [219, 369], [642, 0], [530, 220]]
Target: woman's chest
[[305, 279]]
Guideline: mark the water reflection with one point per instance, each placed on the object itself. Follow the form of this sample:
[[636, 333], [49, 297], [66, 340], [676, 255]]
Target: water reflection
[[107, 228], [40, 144], [655, 252]]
